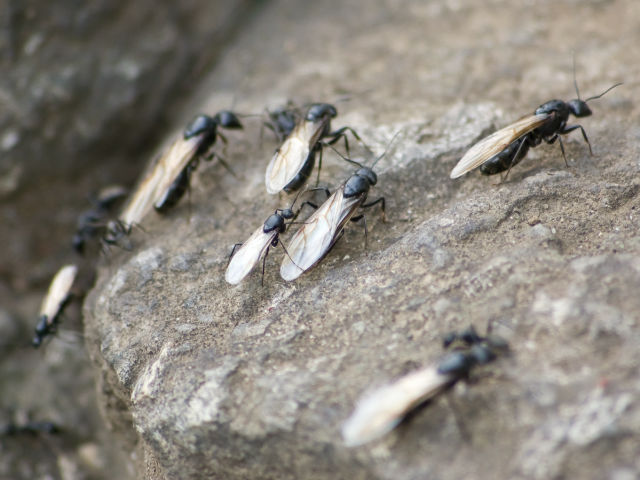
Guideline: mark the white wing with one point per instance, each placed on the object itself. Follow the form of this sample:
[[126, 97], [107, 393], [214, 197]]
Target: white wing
[[58, 291], [290, 157], [154, 186], [380, 411], [496, 142], [313, 240], [248, 255]]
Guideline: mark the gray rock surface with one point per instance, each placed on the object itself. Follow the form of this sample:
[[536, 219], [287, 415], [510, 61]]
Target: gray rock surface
[[204, 380]]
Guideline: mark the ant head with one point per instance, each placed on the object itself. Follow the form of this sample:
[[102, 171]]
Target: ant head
[[482, 353], [227, 119], [579, 108], [287, 213], [116, 230], [41, 327], [319, 110], [274, 222]]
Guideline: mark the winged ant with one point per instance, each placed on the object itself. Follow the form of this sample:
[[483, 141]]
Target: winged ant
[[293, 162], [57, 298], [91, 221], [242, 261], [379, 412], [505, 148], [325, 226], [168, 179]]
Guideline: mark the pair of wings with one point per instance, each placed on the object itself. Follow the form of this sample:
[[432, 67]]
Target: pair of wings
[[248, 255], [58, 292], [380, 411], [317, 235], [496, 143], [153, 188], [292, 154]]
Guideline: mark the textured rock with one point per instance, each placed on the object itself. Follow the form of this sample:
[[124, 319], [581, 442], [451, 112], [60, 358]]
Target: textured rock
[[254, 382]]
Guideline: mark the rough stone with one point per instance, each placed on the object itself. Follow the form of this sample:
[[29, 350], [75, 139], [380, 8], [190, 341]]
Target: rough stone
[[255, 381]]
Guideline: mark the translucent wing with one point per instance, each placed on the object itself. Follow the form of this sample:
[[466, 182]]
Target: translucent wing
[[58, 291], [496, 142], [291, 156], [313, 240], [248, 255], [176, 159], [158, 179], [380, 411]]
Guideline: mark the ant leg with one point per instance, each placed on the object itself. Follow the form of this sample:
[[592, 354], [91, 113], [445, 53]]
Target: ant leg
[[233, 250], [553, 140], [366, 236], [357, 218], [514, 158], [287, 253], [382, 207], [571, 128], [464, 432], [223, 162], [340, 133], [319, 167], [324, 189], [311, 204], [264, 262], [566, 164]]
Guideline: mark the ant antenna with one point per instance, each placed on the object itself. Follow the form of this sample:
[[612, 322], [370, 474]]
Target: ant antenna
[[575, 82], [295, 199], [386, 149], [343, 157], [607, 90]]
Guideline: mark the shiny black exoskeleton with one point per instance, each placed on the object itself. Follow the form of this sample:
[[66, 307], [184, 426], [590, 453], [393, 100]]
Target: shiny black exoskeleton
[[207, 127], [46, 326], [43, 329], [549, 132], [510, 156], [178, 188], [276, 222], [315, 113], [305, 172], [555, 125], [282, 121], [360, 182], [473, 350], [91, 222], [115, 234]]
